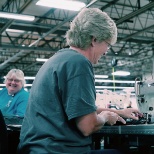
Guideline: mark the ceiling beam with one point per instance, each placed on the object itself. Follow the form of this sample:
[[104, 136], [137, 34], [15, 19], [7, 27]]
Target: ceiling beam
[[28, 48], [59, 25], [137, 33], [135, 13], [19, 11]]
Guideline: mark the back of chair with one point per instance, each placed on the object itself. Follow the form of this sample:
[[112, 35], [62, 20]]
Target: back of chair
[[3, 136]]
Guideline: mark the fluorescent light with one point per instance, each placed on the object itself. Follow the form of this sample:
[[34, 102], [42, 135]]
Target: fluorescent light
[[112, 87], [27, 85], [15, 31], [16, 16], [26, 77], [62, 4], [24, 88], [41, 59], [121, 73], [1, 85], [120, 93], [113, 81], [101, 76], [29, 77]]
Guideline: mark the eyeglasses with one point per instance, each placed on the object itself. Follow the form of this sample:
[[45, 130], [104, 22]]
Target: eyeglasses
[[15, 80], [108, 45]]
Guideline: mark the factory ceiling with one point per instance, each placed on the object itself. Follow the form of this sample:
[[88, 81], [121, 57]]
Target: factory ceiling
[[45, 35]]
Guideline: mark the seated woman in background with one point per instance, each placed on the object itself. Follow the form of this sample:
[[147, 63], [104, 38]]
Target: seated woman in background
[[13, 98]]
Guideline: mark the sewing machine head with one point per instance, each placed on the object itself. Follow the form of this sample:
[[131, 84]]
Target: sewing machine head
[[145, 99]]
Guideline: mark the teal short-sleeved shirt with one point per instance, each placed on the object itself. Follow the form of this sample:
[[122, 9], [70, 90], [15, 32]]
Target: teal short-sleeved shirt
[[63, 90], [13, 105]]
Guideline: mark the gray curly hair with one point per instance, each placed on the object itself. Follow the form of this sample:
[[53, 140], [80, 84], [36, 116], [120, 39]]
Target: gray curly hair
[[89, 23]]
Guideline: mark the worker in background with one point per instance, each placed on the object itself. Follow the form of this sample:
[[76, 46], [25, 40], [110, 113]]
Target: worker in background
[[13, 98], [61, 115]]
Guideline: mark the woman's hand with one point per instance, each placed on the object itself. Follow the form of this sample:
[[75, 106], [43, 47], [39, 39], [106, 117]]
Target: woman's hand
[[111, 117], [130, 113]]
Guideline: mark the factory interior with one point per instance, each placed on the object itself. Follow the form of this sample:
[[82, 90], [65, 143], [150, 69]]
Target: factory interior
[[26, 44]]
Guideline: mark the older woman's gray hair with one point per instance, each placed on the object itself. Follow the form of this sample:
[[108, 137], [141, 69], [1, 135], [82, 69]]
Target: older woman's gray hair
[[19, 75], [89, 23]]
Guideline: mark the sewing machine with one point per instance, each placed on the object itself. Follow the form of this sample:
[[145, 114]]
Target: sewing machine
[[140, 134], [145, 98]]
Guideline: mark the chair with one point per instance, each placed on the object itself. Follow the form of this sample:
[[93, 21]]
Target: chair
[[3, 136]]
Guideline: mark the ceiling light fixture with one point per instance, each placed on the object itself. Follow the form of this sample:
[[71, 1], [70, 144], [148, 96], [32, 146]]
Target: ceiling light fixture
[[14, 30], [101, 76], [121, 73], [41, 59], [26, 77], [16, 16], [26, 85], [113, 81], [62, 4], [29, 77], [119, 93], [112, 87], [2, 85]]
